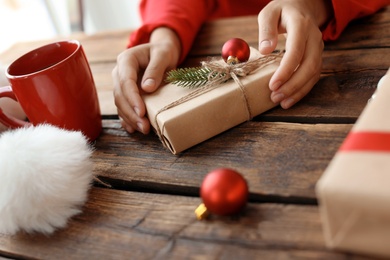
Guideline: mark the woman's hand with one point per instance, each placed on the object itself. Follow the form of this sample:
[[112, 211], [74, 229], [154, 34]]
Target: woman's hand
[[301, 65], [141, 69]]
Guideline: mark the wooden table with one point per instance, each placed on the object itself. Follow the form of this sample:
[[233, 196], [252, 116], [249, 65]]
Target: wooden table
[[149, 211]]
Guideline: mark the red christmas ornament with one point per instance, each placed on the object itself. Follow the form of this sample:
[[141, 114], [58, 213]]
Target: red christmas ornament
[[235, 50], [224, 192]]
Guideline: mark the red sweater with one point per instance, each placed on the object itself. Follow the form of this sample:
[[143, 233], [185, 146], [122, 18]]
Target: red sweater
[[187, 16]]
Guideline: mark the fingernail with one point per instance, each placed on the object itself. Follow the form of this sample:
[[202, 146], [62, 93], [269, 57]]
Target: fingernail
[[149, 83], [265, 44], [275, 86], [288, 103], [140, 127], [277, 97], [137, 111]]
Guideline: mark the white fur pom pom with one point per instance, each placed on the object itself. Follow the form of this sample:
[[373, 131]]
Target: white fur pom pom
[[45, 174]]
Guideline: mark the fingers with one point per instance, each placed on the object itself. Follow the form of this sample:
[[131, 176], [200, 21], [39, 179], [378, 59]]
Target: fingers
[[295, 47], [131, 108], [304, 76], [300, 66]]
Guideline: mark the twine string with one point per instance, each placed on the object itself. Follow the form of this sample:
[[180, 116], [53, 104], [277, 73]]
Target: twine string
[[221, 72]]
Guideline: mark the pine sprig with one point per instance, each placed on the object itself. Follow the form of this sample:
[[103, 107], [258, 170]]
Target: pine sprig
[[189, 77]]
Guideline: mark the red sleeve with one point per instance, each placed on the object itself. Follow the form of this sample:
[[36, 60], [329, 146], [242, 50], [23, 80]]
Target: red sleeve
[[347, 10], [185, 17]]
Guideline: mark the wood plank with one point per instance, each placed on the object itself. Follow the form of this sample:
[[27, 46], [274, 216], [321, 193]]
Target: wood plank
[[356, 60], [134, 225], [105, 46], [281, 161], [336, 98], [214, 34]]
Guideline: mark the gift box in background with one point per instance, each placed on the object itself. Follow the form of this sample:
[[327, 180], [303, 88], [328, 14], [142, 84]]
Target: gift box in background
[[354, 191], [183, 124]]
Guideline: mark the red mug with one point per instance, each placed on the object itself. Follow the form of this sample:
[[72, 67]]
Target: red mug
[[54, 85]]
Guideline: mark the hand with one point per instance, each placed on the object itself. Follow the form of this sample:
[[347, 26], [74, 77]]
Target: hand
[[301, 65], [151, 59]]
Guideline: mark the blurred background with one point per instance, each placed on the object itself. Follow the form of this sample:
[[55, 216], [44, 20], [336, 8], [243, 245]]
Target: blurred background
[[26, 20]]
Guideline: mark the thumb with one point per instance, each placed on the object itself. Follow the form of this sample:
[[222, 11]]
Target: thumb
[[153, 75], [268, 21], [160, 61]]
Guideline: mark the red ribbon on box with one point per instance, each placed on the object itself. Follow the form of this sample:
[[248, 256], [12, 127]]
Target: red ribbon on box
[[367, 141]]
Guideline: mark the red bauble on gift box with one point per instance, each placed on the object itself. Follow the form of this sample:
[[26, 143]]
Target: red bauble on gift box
[[235, 51]]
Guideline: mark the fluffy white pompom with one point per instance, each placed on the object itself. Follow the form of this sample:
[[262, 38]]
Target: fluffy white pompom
[[45, 175]]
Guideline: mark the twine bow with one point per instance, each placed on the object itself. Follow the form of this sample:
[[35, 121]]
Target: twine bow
[[221, 72]]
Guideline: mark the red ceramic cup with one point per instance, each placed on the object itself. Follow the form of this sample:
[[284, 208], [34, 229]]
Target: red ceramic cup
[[54, 85]]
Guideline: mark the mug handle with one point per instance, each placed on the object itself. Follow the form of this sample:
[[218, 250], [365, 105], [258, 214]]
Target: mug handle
[[10, 121]]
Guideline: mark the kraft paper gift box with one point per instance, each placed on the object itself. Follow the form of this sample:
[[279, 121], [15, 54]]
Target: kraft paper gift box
[[354, 191], [187, 123]]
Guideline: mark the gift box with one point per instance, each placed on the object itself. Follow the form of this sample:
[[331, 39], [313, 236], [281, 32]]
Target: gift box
[[184, 117], [354, 191]]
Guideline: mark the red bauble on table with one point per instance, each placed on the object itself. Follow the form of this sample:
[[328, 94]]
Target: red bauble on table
[[235, 50], [224, 192]]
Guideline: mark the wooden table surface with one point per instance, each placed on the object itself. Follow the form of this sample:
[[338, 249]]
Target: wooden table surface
[[148, 213]]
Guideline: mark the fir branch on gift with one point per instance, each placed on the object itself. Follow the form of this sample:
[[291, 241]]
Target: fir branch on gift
[[189, 77]]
